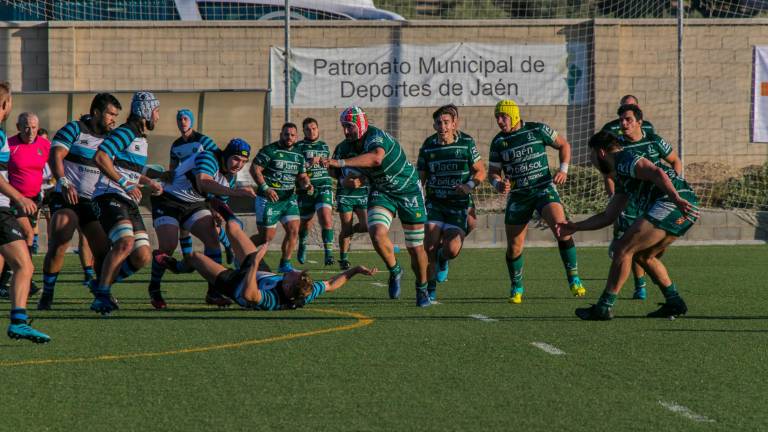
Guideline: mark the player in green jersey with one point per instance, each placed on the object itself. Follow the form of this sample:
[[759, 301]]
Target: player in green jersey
[[395, 191], [614, 126], [635, 138], [351, 200], [669, 211], [277, 169], [449, 167], [321, 200], [519, 167]]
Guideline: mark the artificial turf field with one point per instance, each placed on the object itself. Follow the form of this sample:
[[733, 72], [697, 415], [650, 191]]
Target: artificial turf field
[[355, 360]]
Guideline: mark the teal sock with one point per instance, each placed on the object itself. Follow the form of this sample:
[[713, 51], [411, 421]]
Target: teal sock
[[19, 316], [568, 255], [639, 282], [670, 292], [344, 256], [328, 241], [515, 269], [303, 234], [432, 284], [395, 269], [284, 261], [607, 299], [49, 282]]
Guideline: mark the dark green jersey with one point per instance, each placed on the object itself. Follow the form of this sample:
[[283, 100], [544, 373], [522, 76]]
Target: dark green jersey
[[650, 146], [642, 193], [522, 156], [395, 174], [310, 149], [446, 166], [345, 150], [281, 167], [614, 127]]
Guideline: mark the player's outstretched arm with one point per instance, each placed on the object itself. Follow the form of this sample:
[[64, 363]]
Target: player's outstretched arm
[[564, 152], [372, 159], [342, 278], [648, 171], [252, 293], [600, 220]]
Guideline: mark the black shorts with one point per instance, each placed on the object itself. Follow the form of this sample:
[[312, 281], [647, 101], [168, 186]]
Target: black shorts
[[112, 208], [10, 230], [83, 209], [228, 280], [166, 205]]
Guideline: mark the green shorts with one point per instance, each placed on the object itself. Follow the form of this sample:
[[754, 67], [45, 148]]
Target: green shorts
[[269, 213], [309, 204], [625, 220], [408, 206], [520, 206], [447, 217], [348, 203], [665, 215]]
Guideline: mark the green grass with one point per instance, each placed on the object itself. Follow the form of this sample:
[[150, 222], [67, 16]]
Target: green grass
[[410, 369]]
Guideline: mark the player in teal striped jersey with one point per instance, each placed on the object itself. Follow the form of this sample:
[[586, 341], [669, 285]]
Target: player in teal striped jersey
[[13, 246], [122, 158], [519, 167], [668, 211], [395, 191], [321, 200], [450, 167], [277, 169], [637, 139]]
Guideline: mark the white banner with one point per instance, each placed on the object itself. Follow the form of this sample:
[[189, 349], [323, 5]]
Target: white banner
[[466, 74], [760, 112]]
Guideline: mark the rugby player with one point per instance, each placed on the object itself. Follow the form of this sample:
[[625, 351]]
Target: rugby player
[[668, 206], [321, 200], [13, 247], [122, 158], [518, 167], [183, 205], [351, 200], [76, 174], [450, 168], [277, 169], [395, 190]]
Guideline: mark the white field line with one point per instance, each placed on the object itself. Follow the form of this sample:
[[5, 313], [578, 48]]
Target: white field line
[[482, 318], [312, 261], [547, 348], [685, 412], [378, 284]]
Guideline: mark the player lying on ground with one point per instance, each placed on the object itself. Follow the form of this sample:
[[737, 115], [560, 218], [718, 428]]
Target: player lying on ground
[[670, 210], [251, 286]]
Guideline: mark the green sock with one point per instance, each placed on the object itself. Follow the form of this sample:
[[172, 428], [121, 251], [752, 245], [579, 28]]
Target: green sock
[[344, 256], [421, 287], [670, 292], [395, 269], [515, 269], [568, 255], [432, 284], [639, 282], [328, 241], [607, 299], [303, 234]]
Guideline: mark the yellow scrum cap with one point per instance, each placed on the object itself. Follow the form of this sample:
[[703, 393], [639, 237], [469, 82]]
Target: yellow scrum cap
[[510, 108]]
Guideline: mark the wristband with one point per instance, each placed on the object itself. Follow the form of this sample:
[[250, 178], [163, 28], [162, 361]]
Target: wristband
[[63, 182], [123, 182], [471, 184], [342, 163], [263, 187], [564, 167]]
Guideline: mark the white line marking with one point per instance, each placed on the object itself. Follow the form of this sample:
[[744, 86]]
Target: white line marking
[[685, 412], [378, 284], [312, 261], [547, 348], [482, 318]]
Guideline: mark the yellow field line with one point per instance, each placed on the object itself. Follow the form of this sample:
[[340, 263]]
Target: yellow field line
[[362, 321]]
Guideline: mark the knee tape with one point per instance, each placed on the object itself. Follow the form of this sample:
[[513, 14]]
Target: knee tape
[[140, 240], [119, 231], [378, 215], [414, 238]]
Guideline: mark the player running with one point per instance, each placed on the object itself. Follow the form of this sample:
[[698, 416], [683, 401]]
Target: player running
[[395, 191], [351, 200], [13, 247], [519, 167], [321, 200], [183, 205], [251, 286], [277, 169], [76, 174], [122, 158], [668, 206], [449, 167]]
